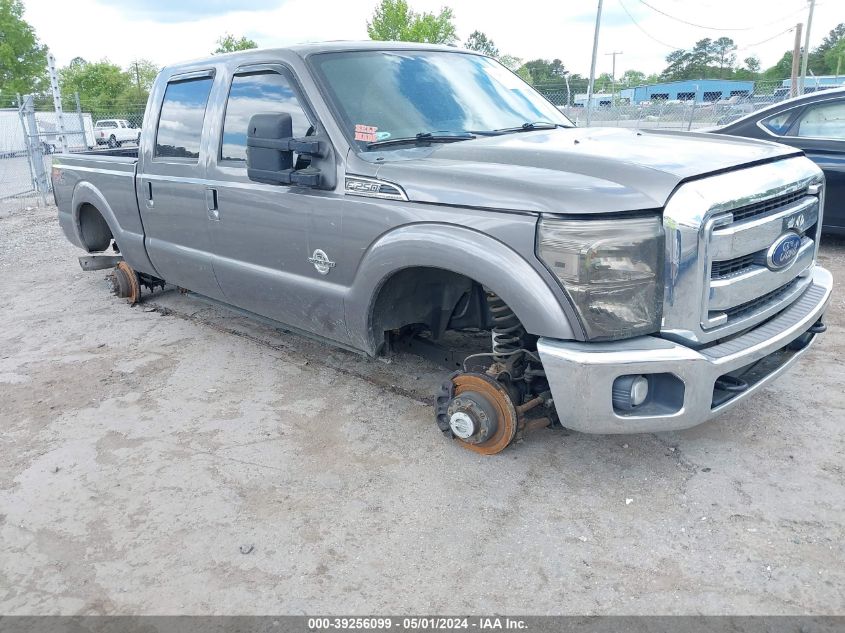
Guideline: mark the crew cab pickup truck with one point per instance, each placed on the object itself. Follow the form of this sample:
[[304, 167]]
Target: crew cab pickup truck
[[372, 194], [115, 132]]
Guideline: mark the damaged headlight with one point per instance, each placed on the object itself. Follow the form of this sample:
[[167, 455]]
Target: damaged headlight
[[611, 269]]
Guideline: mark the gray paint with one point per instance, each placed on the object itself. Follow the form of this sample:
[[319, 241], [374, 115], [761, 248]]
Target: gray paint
[[473, 208]]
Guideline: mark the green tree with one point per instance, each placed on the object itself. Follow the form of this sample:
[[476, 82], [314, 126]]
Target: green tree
[[105, 89], [143, 73], [632, 78], [679, 64], [543, 70], [782, 69], [23, 59], [478, 41], [511, 61], [228, 44], [752, 64], [818, 60], [394, 20], [724, 55], [835, 58]]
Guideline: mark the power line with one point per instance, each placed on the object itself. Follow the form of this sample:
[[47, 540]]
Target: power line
[[646, 33], [717, 28]]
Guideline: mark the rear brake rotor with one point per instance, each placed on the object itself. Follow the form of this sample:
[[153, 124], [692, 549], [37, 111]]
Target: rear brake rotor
[[480, 414], [125, 283]]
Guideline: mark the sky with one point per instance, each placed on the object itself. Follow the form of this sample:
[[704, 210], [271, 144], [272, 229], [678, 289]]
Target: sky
[[168, 31]]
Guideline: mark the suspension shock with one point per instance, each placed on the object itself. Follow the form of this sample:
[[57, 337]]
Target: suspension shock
[[508, 332]]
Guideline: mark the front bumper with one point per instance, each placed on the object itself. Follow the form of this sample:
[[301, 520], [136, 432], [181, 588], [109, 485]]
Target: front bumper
[[683, 388]]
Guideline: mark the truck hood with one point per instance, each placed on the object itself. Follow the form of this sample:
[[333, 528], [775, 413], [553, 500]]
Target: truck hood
[[566, 170]]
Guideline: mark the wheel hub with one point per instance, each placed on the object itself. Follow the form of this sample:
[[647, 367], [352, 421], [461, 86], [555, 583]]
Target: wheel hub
[[479, 413]]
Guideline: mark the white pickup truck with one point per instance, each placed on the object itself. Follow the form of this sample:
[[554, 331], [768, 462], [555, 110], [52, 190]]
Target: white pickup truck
[[115, 132]]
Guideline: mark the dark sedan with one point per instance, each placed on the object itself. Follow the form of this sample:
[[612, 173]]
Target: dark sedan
[[814, 123]]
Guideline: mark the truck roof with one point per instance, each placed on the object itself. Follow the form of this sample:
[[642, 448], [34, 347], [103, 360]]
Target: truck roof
[[306, 49]]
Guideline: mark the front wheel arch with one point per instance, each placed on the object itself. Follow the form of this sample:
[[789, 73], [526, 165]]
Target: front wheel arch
[[457, 251]]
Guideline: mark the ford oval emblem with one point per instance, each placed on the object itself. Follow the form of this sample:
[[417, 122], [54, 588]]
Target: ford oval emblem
[[783, 251]]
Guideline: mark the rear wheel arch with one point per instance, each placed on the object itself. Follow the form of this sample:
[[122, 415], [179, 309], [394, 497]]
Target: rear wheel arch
[[94, 231]]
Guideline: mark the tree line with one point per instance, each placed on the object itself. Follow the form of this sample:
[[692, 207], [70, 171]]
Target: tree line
[[107, 89]]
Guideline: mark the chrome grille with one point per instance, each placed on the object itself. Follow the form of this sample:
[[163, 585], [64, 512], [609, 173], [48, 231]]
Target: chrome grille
[[761, 208], [726, 268], [754, 305], [719, 231]]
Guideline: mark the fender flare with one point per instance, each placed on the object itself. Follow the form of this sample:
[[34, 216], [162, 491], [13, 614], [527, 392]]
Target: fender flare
[[131, 244], [461, 250]]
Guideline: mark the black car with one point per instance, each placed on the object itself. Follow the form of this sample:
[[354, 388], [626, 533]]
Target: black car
[[814, 123]]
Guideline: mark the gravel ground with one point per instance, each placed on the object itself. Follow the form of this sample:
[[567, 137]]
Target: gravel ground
[[174, 457]]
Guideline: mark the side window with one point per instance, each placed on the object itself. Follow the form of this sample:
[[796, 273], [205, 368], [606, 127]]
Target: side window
[[182, 113], [256, 93], [824, 121], [779, 123]]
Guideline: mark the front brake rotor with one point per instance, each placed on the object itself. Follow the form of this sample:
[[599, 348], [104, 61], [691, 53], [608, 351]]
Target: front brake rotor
[[477, 411]]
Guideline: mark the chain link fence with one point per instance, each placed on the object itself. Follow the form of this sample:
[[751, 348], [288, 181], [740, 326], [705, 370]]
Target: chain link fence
[[32, 130], [692, 113]]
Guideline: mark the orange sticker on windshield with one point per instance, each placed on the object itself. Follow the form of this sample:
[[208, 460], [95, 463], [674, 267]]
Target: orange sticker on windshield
[[365, 133]]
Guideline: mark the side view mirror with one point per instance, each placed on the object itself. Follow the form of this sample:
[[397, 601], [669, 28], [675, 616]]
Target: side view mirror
[[269, 152]]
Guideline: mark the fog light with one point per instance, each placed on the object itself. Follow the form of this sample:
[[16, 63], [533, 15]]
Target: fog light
[[629, 392]]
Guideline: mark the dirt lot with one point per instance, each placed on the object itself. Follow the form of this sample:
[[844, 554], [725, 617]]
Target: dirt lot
[[176, 458]]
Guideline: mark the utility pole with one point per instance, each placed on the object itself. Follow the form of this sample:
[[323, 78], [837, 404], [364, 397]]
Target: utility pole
[[613, 73], [807, 46], [568, 94], [137, 79], [593, 65], [796, 53]]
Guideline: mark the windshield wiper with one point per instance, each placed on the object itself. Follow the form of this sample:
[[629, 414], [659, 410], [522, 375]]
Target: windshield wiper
[[425, 137], [525, 127]]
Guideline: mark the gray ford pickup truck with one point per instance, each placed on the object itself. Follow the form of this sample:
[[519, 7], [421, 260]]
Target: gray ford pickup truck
[[401, 196]]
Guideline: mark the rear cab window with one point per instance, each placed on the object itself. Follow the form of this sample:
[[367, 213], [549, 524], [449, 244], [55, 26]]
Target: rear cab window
[[181, 119]]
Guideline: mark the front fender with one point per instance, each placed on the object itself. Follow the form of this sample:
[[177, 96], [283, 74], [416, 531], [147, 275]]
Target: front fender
[[131, 243], [480, 257]]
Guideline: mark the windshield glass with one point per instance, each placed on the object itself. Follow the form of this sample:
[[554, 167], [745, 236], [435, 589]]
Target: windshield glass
[[383, 95]]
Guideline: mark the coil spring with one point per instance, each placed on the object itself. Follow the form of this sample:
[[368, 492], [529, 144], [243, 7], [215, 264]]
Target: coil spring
[[507, 330]]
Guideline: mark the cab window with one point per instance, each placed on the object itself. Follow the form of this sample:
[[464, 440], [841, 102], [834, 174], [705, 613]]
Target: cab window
[[254, 93], [823, 121], [779, 123], [182, 114]]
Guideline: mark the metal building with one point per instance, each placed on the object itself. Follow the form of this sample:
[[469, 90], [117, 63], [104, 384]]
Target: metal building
[[702, 90]]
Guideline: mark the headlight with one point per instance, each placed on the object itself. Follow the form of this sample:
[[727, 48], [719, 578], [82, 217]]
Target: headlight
[[611, 269]]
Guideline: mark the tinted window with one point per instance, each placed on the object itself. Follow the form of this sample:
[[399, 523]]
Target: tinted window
[[182, 114], [823, 121], [778, 123], [258, 93]]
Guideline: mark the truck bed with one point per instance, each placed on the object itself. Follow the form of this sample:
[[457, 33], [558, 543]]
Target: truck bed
[[104, 180]]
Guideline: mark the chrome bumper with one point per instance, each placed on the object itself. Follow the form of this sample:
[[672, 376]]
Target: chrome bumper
[[682, 380]]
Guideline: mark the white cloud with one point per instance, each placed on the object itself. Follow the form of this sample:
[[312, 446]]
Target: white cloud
[[528, 29]]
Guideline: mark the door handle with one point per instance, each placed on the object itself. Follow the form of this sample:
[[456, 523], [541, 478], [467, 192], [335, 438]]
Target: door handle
[[211, 204], [150, 193]]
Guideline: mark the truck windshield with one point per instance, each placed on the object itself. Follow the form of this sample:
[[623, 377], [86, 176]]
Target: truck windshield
[[420, 95]]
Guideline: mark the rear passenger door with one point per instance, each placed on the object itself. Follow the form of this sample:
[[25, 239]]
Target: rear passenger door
[[264, 235], [170, 186]]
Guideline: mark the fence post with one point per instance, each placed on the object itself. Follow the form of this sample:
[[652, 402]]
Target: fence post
[[34, 147], [57, 100], [83, 136]]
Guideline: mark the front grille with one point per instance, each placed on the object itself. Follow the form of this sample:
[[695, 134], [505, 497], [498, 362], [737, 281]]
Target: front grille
[[761, 208], [726, 268], [752, 306]]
